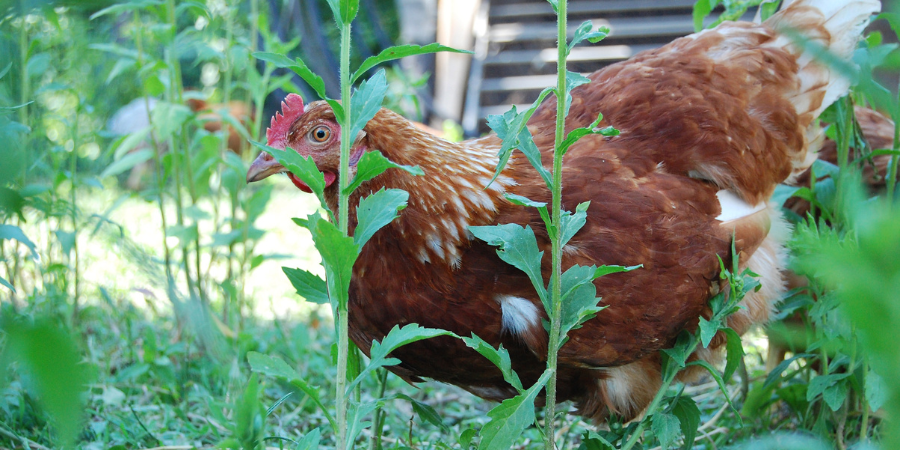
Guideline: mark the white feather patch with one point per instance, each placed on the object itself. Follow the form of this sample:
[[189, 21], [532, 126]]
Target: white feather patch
[[519, 314], [735, 208]]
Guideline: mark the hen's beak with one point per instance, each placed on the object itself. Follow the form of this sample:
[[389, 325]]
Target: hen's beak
[[263, 166]]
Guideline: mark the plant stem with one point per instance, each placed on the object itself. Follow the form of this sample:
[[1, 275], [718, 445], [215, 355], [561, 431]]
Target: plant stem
[[343, 212], [556, 251], [892, 175], [138, 40], [73, 159]]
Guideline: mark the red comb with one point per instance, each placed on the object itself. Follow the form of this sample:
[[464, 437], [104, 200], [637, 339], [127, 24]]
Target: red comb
[[291, 109]]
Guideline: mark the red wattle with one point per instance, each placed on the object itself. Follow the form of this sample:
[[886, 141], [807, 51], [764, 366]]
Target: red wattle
[[329, 180]]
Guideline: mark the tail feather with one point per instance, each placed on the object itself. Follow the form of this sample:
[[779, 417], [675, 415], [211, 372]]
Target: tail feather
[[835, 25]]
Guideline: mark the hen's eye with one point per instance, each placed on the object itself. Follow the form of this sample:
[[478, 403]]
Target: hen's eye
[[320, 134]]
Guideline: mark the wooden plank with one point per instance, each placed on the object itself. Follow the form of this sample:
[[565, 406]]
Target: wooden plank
[[598, 53], [628, 27], [524, 11]]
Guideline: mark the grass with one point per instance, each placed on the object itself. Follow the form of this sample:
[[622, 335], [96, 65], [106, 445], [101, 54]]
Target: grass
[[163, 292]]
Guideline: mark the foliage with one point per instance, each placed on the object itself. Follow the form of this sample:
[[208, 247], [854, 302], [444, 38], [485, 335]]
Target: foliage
[[90, 361]]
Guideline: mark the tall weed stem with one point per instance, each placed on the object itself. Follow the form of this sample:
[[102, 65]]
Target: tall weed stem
[[343, 211], [556, 251]]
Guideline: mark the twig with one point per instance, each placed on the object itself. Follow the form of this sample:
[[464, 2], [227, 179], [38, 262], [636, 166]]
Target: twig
[[142, 425], [25, 440]]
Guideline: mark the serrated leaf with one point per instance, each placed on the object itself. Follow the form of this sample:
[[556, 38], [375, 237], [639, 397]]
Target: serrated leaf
[[734, 353], [400, 51], [374, 163], [297, 66], [572, 223], [590, 440], [688, 414], [510, 418], [665, 427], [517, 247], [396, 338], [356, 414], [376, 211], [584, 31], [498, 356], [573, 80], [277, 368], [302, 167], [708, 330], [309, 286], [579, 133], [127, 162], [819, 384], [339, 253], [541, 207], [835, 395], [510, 128], [366, 102]]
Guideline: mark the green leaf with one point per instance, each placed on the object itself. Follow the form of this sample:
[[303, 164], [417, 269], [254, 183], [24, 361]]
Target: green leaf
[[555, 5], [665, 427], [571, 223], [168, 118], [309, 286], [372, 164], [510, 128], [734, 353], [14, 232], [510, 418], [349, 9], [584, 32], [338, 252], [819, 384], [688, 414], [127, 162], [249, 419], [298, 66], [498, 356], [310, 441], [400, 51], [302, 167], [590, 440], [66, 240], [126, 6], [356, 414], [376, 211], [48, 353], [775, 375], [876, 391], [396, 338], [579, 307], [7, 284], [541, 207], [835, 395], [425, 411], [716, 376], [275, 367], [579, 133], [768, 8], [708, 330], [366, 102], [517, 247], [465, 438], [335, 6], [573, 80]]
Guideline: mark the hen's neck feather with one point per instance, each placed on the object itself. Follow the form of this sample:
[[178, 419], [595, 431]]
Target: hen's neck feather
[[444, 202]]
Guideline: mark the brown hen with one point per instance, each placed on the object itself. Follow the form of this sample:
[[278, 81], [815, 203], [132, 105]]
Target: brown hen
[[709, 125]]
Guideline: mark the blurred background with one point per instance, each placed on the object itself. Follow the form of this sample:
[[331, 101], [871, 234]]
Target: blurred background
[[128, 227]]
